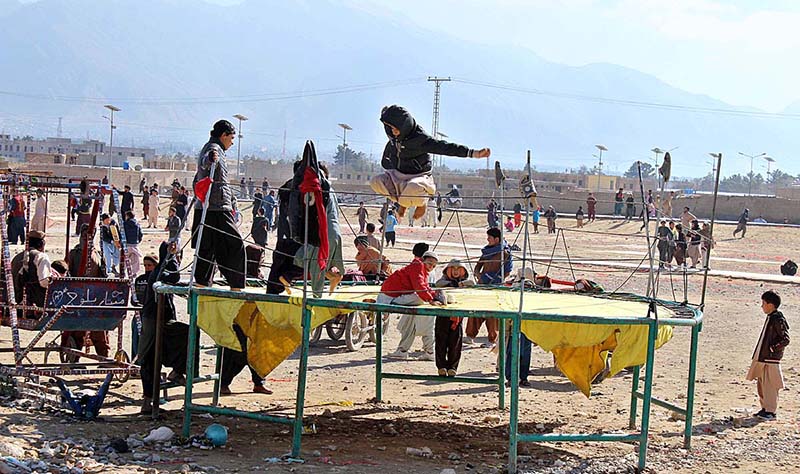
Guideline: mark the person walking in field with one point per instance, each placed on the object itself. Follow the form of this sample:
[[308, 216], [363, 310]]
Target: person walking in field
[[152, 209]]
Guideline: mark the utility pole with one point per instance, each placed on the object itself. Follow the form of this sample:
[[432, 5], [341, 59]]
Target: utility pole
[[345, 128], [283, 151], [601, 149], [241, 118], [437, 90], [112, 109]]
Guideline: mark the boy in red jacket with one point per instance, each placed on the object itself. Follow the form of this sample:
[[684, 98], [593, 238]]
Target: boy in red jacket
[[409, 287], [766, 367]]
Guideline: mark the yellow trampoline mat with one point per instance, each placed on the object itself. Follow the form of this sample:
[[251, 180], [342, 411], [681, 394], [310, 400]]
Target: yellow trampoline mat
[[580, 349], [476, 299]]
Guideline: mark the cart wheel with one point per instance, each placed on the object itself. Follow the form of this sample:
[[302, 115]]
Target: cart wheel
[[371, 320], [122, 356], [354, 334], [316, 334], [336, 327], [69, 358]]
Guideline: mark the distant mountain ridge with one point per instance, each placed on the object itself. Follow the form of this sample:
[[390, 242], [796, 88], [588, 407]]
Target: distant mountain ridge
[[182, 48]]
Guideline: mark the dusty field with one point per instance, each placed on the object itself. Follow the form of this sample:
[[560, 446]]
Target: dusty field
[[451, 419]]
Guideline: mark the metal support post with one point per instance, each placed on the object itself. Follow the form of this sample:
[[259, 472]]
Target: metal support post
[[687, 430], [159, 340], [190, 360], [297, 433], [652, 332], [634, 398], [378, 357], [217, 381]]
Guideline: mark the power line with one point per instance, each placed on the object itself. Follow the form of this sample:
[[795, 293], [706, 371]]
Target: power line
[[631, 103], [264, 97]]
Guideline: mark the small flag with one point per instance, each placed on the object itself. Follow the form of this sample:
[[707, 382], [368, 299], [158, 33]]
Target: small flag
[[201, 189]]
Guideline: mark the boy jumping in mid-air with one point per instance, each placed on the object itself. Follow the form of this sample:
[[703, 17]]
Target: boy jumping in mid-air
[[407, 179]]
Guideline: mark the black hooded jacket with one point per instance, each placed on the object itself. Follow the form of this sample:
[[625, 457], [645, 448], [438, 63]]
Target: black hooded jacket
[[409, 152]]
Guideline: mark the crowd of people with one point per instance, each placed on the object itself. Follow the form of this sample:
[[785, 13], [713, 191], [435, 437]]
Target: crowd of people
[[310, 247]]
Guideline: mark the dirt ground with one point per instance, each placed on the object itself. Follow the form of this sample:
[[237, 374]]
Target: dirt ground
[[461, 424]]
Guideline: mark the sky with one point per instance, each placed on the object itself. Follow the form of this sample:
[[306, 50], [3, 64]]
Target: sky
[[742, 52]]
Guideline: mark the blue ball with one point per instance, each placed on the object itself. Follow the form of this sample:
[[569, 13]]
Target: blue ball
[[217, 434]]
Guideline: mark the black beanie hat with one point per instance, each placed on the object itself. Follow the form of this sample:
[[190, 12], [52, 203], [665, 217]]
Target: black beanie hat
[[222, 127]]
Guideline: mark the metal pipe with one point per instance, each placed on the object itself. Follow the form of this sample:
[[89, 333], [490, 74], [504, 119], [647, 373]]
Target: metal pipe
[[425, 311], [297, 433], [711, 232], [651, 288], [157, 356], [473, 380], [555, 437], [239, 413], [634, 399], [648, 390], [687, 430], [513, 424], [663, 404], [190, 362], [378, 356]]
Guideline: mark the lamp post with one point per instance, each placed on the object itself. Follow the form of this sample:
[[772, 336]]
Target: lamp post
[[750, 181], [345, 128], [241, 118], [657, 151], [111, 138], [602, 148], [769, 161]]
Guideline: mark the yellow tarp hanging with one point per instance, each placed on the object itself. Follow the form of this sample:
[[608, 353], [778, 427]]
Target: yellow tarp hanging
[[273, 329], [579, 348]]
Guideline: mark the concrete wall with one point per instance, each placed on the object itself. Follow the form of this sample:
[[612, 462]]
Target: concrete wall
[[773, 209]]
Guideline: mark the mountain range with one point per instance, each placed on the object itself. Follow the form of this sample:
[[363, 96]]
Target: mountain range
[[301, 67]]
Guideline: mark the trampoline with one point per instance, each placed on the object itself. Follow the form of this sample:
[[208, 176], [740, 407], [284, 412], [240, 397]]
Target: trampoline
[[579, 329], [575, 326]]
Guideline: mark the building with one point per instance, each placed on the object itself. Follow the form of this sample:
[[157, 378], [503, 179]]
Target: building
[[90, 152]]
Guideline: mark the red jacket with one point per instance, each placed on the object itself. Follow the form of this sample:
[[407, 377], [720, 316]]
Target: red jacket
[[409, 279]]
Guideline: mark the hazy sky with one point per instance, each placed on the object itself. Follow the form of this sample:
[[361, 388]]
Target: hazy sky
[[741, 51]]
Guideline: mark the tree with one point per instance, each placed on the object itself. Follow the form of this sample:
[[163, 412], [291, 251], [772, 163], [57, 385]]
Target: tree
[[779, 179], [355, 160], [648, 171], [736, 183]]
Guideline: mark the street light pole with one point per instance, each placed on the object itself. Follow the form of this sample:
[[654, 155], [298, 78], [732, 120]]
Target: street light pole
[[111, 138], [241, 118], [750, 181], [602, 148], [769, 161], [345, 128], [657, 151]]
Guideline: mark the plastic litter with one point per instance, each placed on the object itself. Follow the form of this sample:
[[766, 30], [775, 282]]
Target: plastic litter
[[159, 435]]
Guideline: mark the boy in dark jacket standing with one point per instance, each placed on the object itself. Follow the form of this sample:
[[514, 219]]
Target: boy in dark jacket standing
[[406, 158], [766, 365]]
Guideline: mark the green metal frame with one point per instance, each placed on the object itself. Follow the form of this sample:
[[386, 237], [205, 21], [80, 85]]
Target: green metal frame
[[515, 437]]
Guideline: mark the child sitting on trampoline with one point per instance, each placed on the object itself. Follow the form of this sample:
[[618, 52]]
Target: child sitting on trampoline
[[406, 158], [409, 287]]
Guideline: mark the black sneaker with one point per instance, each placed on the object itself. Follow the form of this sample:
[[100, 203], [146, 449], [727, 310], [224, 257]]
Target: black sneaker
[[767, 416], [760, 413], [524, 383]]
